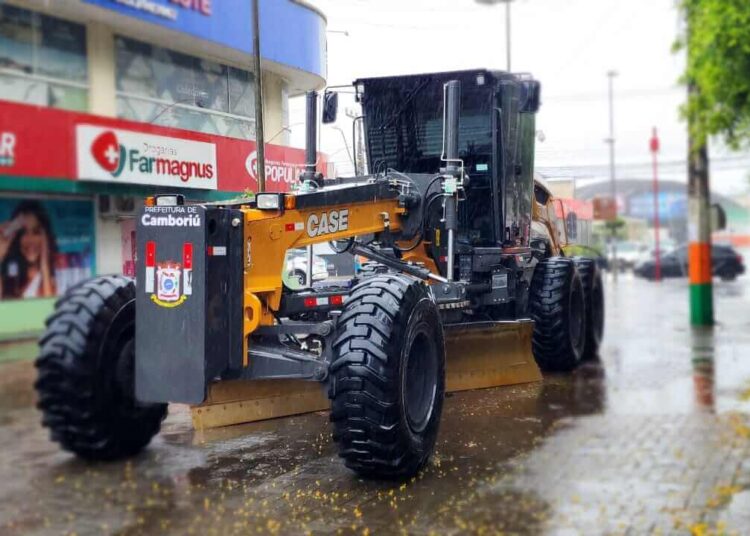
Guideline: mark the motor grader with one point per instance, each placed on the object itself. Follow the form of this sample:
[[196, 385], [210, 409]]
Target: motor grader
[[446, 211]]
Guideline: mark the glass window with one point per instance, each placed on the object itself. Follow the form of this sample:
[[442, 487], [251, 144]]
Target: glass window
[[161, 86], [241, 94], [16, 39], [406, 127], [42, 60], [62, 50], [135, 72]]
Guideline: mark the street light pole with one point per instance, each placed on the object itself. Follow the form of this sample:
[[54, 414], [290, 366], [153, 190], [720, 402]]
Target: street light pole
[[612, 184], [259, 132]]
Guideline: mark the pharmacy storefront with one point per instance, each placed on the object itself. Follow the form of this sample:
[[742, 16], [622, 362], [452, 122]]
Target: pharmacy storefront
[[71, 183], [103, 102]]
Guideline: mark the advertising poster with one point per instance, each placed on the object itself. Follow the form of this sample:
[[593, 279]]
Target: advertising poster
[[46, 246], [127, 231]]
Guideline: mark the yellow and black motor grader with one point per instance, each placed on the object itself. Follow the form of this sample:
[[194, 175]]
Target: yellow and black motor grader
[[446, 214]]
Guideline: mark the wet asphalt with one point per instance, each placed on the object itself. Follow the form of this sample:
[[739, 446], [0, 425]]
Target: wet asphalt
[[652, 439]]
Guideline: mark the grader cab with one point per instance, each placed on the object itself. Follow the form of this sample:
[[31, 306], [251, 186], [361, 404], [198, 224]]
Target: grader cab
[[461, 298]]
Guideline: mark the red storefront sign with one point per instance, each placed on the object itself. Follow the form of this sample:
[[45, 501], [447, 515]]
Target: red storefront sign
[[584, 210], [40, 142]]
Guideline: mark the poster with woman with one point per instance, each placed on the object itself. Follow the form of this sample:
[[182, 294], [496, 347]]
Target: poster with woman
[[46, 246]]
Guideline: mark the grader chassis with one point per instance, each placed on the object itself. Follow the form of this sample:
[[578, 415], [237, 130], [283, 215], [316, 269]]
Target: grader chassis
[[446, 212]]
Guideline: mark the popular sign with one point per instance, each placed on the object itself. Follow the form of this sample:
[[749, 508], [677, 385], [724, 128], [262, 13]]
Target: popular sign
[[276, 171], [111, 155]]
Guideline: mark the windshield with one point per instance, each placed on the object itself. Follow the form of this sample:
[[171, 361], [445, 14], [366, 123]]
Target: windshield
[[405, 125]]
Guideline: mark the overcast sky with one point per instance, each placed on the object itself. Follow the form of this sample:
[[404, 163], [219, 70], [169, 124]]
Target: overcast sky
[[569, 45]]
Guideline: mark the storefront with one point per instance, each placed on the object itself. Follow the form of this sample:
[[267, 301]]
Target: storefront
[[96, 115]]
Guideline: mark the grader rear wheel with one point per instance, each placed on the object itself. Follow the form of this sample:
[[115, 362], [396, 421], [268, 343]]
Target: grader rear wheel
[[387, 377], [558, 308], [593, 290]]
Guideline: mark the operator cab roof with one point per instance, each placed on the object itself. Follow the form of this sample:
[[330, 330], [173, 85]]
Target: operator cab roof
[[530, 94], [479, 76]]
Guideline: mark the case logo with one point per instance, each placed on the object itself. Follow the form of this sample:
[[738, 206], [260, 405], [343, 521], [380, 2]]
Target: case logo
[[329, 222]]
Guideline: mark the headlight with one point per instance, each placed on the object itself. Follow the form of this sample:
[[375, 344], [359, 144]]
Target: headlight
[[268, 201], [168, 200]]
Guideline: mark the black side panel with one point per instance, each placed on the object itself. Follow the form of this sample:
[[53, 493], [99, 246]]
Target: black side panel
[[170, 337], [224, 291]]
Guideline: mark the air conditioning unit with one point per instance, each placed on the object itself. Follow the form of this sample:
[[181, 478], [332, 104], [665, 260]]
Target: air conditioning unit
[[117, 206]]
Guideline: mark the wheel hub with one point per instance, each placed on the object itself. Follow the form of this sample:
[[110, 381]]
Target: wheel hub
[[420, 382]]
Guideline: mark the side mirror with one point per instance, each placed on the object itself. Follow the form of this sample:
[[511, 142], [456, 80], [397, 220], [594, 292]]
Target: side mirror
[[531, 96], [571, 221], [718, 217], [330, 106]]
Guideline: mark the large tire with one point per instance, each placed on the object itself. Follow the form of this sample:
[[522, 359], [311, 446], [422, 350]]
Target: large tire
[[86, 373], [593, 290], [558, 309], [387, 377]]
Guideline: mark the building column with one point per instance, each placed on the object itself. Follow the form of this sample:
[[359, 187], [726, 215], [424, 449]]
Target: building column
[[100, 47], [272, 108]]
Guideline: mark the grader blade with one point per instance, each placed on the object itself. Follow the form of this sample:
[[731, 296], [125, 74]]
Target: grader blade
[[489, 354], [478, 355]]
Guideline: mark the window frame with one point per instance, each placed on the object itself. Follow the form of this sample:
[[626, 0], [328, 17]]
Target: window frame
[[167, 104], [35, 77]]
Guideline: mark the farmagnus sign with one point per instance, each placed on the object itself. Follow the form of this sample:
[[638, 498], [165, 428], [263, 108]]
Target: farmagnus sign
[[114, 155]]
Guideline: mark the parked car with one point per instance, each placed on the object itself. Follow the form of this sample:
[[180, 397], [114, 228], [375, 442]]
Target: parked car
[[628, 255], [727, 263], [665, 247], [296, 268]]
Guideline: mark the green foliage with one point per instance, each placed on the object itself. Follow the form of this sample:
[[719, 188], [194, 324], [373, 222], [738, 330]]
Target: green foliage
[[718, 69], [615, 225]]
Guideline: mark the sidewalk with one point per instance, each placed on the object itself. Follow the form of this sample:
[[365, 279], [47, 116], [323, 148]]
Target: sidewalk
[[23, 350]]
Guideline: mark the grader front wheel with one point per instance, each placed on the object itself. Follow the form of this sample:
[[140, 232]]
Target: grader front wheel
[[86, 377], [387, 377]]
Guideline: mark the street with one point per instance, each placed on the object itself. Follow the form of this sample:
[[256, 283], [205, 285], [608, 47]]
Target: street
[[654, 439]]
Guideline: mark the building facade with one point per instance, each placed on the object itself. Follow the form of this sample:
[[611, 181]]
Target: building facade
[[103, 102]]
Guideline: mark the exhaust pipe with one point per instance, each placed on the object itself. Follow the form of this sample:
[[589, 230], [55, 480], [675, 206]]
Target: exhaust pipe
[[450, 128], [311, 158], [311, 136], [452, 170]]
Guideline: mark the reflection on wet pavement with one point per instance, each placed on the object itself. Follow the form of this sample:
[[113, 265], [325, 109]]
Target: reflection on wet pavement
[[652, 439]]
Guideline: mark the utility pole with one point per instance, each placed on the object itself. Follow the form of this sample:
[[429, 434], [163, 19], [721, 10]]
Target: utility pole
[[654, 146], [507, 26], [699, 231], [612, 184], [507, 34], [699, 221], [259, 132]]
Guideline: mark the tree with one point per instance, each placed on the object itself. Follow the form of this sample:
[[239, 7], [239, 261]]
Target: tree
[[719, 65]]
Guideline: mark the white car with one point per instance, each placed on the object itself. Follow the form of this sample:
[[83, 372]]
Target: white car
[[295, 275], [628, 254]]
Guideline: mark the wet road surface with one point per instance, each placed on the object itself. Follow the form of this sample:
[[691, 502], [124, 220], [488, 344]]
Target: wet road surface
[[653, 439]]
